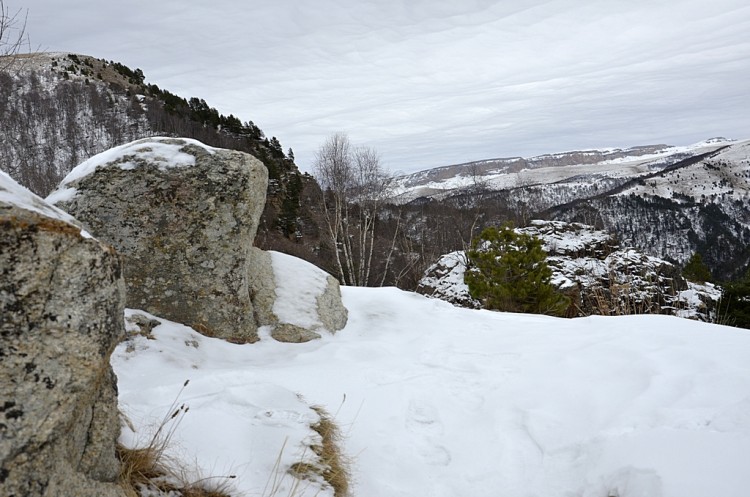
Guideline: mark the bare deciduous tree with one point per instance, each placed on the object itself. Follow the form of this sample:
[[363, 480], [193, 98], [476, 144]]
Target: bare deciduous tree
[[13, 37], [354, 186]]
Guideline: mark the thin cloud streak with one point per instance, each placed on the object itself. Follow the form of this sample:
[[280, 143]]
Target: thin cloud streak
[[430, 83]]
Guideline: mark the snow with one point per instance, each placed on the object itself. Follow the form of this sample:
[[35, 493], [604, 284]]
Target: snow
[[563, 238], [625, 167], [163, 151], [442, 401], [14, 194], [298, 286]]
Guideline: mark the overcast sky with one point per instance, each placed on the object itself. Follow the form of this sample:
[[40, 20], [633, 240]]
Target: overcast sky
[[431, 82]]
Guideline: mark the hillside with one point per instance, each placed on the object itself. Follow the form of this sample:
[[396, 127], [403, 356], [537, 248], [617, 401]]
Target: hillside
[[667, 201], [60, 109]]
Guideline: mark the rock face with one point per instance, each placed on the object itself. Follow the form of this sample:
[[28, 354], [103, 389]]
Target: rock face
[[61, 315], [591, 268], [184, 216]]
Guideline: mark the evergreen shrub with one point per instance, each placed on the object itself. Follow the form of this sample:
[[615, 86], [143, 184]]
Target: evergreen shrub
[[507, 271]]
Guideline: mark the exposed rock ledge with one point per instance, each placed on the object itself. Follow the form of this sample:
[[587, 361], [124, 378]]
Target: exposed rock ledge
[[591, 267]]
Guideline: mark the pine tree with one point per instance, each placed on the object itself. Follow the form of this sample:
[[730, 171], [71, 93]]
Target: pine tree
[[507, 271], [735, 302], [696, 270]]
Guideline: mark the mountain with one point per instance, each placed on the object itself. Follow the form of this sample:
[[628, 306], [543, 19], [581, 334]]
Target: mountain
[[668, 201], [60, 109], [609, 166]]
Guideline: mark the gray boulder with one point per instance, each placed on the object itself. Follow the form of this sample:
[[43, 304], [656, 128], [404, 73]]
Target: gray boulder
[[61, 315], [184, 216]]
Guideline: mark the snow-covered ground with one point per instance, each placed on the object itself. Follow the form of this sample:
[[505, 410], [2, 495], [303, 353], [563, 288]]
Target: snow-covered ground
[[437, 401]]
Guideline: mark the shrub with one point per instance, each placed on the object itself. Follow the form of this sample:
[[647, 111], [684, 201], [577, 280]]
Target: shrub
[[507, 271]]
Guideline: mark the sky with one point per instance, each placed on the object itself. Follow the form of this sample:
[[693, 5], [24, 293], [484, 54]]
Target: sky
[[429, 83]]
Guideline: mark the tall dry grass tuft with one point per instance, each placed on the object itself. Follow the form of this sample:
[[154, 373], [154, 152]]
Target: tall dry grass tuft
[[147, 469]]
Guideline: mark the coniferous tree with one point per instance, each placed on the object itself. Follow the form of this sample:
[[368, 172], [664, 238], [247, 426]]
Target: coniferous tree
[[696, 270], [735, 302], [507, 271]]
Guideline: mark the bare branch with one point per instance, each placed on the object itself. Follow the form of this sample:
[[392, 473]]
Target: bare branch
[[13, 37], [354, 188]]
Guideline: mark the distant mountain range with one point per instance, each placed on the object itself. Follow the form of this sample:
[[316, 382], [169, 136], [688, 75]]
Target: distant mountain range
[[665, 200], [612, 165]]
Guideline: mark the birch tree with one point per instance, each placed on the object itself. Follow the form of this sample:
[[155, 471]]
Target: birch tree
[[354, 187]]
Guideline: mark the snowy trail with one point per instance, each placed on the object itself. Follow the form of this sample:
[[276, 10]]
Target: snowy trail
[[442, 401]]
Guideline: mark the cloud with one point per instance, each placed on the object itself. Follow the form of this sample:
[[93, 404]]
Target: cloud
[[435, 82]]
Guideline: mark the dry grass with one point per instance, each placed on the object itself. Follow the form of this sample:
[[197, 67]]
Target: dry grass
[[332, 465], [621, 298], [149, 468]]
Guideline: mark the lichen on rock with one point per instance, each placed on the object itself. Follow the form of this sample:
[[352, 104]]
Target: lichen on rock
[[61, 315], [184, 216]]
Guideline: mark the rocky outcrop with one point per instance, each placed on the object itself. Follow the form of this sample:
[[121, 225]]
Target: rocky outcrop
[[61, 315], [184, 216], [594, 271], [444, 280]]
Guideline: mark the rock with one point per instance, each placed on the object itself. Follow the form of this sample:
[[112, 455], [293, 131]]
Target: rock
[[330, 308], [285, 332], [444, 280], [184, 215], [262, 287], [61, 315], [297, 300], [589, 266]]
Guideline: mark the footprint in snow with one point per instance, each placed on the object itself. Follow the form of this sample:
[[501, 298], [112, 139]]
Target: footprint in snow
[[423, 423]]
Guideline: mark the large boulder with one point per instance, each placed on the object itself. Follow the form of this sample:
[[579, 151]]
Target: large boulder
[[184, 216], [61, 315]]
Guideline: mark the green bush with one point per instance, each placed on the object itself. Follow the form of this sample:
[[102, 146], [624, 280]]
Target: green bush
[[507, 271]]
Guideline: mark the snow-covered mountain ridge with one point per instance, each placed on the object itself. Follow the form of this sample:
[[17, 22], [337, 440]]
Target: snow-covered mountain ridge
[[582, 166]]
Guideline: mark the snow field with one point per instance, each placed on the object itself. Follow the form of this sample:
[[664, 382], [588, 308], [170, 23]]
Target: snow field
[[442, 401]]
